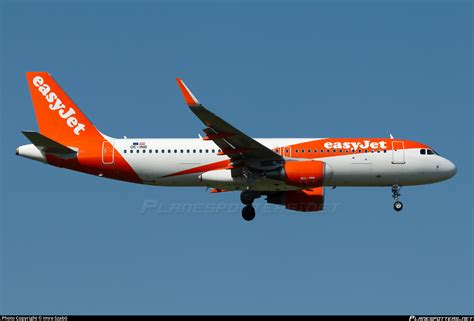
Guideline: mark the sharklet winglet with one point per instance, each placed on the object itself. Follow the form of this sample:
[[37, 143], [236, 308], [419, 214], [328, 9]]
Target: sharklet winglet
[[190, 99]]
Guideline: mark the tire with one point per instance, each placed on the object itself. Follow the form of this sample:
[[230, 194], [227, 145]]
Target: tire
[[248, 213], [398, 206], [247, 197]]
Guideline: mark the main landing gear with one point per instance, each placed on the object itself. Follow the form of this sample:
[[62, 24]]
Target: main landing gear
[[247, 197], [248, 213], [397, 205]]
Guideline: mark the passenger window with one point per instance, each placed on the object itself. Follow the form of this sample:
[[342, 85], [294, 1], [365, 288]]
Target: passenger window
[[340, 151], [181, 151], [287, 151], [144, 150], [169, 151], [207, 150], [430, 152], [187, 151], [175, 151], [156, 151], [309, 151], [422, 151], [162, 151], [194, 151], [315, 151], [124, 151], [200, 151], [322, 150], [302, 151], [296, 151], [150, 151], [131, 151], [213, 151]]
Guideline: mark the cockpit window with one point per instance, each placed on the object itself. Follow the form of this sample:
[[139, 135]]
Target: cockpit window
[[422, 151], [430, 152]]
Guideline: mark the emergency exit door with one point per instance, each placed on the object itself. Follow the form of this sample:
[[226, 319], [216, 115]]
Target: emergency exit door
[[398, 152], [107, 152]]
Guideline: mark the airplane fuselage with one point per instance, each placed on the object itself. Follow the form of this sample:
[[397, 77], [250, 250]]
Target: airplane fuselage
[[182, 162]]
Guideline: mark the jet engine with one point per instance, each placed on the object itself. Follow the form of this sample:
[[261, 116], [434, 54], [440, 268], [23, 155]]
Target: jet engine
[[302, 173]]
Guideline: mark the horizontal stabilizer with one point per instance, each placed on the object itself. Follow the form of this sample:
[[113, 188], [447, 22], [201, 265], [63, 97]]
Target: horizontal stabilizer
[[49, 146]]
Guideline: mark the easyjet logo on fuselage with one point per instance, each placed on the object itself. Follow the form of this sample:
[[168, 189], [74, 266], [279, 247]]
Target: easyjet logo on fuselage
[[355, 145], [57, 104]]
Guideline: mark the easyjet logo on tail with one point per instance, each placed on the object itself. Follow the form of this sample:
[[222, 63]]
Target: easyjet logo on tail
[[354, 145], [56, 104]]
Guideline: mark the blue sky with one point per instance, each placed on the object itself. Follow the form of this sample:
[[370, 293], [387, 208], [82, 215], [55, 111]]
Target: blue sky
[[73, 243]]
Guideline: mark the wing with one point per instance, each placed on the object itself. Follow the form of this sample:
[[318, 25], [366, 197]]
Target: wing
[[233, 143]]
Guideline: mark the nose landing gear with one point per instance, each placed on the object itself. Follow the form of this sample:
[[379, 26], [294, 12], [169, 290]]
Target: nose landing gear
[[247, 197], [397, 205]]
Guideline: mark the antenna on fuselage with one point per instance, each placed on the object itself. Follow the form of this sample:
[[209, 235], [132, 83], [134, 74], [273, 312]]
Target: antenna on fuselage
[[200, 137], [391, 136]]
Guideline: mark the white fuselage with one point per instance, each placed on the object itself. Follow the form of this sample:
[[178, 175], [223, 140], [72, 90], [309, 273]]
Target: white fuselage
[[159, 162]]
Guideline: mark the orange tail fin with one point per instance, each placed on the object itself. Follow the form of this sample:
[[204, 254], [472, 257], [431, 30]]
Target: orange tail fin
[[57, 116]]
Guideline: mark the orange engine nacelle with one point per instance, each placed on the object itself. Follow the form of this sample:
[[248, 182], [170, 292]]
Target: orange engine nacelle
[[309, 200], [303, 173]]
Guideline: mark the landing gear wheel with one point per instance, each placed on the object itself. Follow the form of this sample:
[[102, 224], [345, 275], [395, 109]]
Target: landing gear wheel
[[247, 197], [398, 206], [248, 213]]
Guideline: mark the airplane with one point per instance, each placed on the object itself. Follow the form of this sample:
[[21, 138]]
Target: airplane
[[292, 172]]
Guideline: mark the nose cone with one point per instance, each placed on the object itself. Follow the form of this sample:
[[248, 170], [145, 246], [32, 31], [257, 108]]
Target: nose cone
[[451, 169]]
